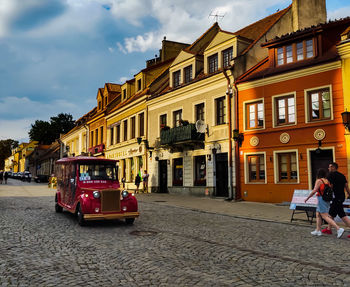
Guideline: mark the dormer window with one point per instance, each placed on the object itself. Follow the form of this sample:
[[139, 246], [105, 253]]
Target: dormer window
[[176, 78], [139, 87], [227, 57], [99, 105], [213, 63], [295, 52], [188, 74], [124, 94]]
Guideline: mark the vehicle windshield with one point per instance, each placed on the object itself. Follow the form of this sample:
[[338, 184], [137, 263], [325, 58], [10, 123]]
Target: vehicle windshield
[[97, 172]]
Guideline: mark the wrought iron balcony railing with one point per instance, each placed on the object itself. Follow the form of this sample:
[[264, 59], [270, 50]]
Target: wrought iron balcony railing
[[181, 135]]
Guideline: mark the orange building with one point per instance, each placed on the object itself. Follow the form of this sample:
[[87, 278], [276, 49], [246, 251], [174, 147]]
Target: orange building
[[290, 107]]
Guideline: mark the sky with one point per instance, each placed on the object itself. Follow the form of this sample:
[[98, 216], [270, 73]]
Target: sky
[[55, 54]]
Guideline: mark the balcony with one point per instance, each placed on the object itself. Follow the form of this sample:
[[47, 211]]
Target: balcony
[[182, 136], [97, 149]]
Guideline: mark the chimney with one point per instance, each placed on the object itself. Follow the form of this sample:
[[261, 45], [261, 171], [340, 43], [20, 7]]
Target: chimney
[[307, 13]]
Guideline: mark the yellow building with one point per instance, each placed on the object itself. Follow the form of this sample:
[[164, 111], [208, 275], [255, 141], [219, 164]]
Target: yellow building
[[344, 52], [127, 122]]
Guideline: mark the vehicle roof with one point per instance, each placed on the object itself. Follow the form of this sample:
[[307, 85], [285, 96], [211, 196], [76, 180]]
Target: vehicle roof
[[84, 159]]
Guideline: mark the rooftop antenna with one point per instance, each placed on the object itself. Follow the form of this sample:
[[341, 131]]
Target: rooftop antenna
[[216, 16]]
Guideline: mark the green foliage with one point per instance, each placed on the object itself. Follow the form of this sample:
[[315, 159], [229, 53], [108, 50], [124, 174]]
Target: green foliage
[[5, 150], [47, 132]]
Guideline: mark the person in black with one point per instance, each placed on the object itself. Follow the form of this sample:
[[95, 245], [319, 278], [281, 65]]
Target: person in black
[[339, 183]]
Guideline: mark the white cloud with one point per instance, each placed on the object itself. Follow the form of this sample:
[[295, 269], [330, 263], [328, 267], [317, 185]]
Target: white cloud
[[122, 80], [15, 129], [339, 13]]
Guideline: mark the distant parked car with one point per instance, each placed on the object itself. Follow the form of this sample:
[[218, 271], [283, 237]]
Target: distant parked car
[[41, 178], [26, 176]]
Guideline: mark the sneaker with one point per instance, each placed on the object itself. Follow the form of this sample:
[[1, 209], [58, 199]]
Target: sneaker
[[340, 232], [316, 232], [326, 231]]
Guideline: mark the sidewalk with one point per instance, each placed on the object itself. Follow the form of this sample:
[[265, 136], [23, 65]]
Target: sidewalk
[[244, 209]]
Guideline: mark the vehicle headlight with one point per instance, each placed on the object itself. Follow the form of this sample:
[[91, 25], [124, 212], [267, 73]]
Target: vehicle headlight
[[125, 193], [96, 194]]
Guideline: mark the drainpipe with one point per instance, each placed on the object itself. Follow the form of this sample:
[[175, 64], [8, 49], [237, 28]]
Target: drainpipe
[[238, 195], [229, 95], [86, 138]]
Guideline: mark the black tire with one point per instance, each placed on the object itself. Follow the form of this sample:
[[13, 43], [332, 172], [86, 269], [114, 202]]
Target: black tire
[[129, 221], [80, 216], [58, 208]]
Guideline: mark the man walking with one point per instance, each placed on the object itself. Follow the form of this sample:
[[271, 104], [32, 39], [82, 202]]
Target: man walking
[[339, 183]]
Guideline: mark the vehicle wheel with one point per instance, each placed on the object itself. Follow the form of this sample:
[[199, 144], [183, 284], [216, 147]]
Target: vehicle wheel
[[80, 216], [129, 221], [58, 208]]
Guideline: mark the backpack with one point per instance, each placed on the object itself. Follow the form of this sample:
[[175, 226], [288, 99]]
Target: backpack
[[327, 194]]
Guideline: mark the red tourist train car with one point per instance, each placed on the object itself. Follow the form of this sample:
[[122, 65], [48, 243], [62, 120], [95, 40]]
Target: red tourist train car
[[89, 187]]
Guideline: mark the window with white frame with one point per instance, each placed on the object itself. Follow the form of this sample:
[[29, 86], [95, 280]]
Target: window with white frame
[[227, 57], [177, 117], [319, 104], [213, 63], [287, 168], [176, 79], [254, 115], [285, 110], [220, 110], [188, 74], [256, 167]]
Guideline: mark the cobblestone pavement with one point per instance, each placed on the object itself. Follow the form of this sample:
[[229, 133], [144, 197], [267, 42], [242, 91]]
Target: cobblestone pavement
[[167, 246]]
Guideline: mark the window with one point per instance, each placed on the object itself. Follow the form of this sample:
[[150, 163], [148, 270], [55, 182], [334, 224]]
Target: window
[[101, 135], [319, 104], [177, 172], [162, 121], [112, 136], [125, 130], [227, 57], [176, 79], [92, 138], [96, 137], [99, 105], [106, 101], [177, 116], [285, 110], [287, 167], [133, 128], [256, 168], [141, 125], [188, 74], [139, 85], [200, 171], [213, 63], [255, 115], [118, 133], [220, 110], [295, 52], [200, 112], [124, 94], [132, 170]]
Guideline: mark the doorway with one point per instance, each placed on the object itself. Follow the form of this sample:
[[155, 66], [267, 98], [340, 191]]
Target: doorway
[[320, 158], [163, 176], [221, 163]]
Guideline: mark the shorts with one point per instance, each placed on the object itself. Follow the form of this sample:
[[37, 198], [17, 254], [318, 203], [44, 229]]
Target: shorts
[[322, 206], [336, 208]]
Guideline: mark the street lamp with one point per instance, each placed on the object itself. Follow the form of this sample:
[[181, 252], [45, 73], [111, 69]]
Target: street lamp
[[238, 137]]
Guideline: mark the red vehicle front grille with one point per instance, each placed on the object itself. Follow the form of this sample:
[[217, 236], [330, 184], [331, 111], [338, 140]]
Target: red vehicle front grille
[[110, 200]]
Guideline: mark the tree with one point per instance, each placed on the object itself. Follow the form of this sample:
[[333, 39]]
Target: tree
[[5, 150], [47, 132]]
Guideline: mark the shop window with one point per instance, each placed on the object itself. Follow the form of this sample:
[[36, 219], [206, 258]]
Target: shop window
[[141, 125], [227, 57], [199, 112], [287, 167], [200, 171], [178, 172], [213, 63], [256, 168], [319, 103], [176, 79], [177, 116], [132, 170], [220, 110], [188, 74], [285, 110], [125, 130], [133, 128], [255, 115]]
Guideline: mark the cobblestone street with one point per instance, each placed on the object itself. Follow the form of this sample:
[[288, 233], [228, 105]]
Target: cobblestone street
[[166, 246]]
